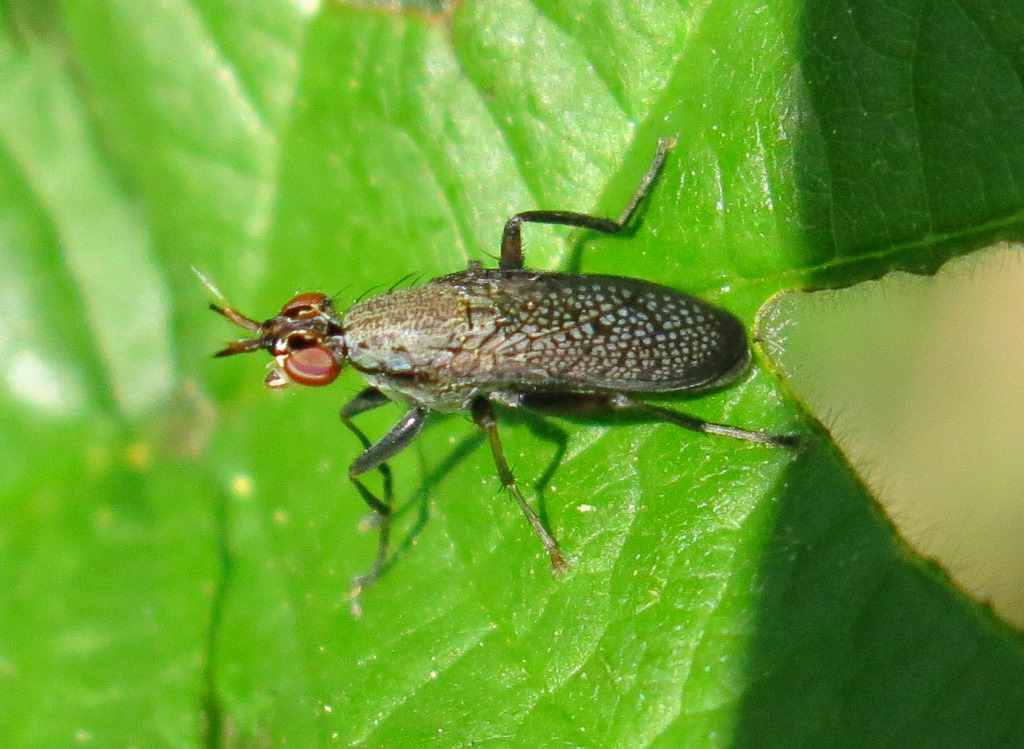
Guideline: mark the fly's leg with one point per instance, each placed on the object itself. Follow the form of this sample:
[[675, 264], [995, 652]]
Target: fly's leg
[[512, 237], [376, 456], [483, 415], [625, 404], [367, 400], [587, 404], [577, 404]]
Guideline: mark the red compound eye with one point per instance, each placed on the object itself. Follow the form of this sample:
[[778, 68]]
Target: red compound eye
[[304, 305], [313, 366]]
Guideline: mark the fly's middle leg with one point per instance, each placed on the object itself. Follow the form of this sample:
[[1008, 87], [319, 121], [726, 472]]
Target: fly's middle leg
[[483, 415]]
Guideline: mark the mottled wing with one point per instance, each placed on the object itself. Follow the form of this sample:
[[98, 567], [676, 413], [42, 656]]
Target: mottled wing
[[593, 333]]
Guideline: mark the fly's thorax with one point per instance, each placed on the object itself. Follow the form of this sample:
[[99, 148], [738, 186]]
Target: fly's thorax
[[449, 397], [425, 342]]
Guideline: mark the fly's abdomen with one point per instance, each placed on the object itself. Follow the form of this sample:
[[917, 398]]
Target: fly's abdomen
[[594, 333]]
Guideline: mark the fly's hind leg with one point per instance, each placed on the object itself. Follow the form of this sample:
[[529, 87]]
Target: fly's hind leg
[[483, 415], [569, 404], [375, 456], [625, 404], [512, 237]]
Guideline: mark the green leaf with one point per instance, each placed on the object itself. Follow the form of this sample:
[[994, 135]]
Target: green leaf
[[178, 545]]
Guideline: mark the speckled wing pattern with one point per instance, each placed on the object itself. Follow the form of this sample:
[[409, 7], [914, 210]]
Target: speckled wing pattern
[[593, 333]]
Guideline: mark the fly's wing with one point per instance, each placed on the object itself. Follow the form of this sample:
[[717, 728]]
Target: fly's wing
[[596, 333]]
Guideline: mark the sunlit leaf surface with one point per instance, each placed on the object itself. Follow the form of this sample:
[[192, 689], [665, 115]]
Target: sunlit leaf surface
[[178, 545]]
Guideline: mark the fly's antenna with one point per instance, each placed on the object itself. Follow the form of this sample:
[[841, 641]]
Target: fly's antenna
[[225, 309], [210, 286]]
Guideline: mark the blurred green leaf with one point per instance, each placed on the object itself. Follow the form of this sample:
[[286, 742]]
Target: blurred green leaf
[[178, 544]]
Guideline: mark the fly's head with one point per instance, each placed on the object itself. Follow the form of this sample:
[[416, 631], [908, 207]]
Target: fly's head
[[306, 340]]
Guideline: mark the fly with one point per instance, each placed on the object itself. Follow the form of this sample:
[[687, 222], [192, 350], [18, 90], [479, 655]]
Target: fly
[[550, 342]]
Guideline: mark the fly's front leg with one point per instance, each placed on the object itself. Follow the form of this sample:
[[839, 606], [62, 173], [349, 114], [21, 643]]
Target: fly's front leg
[[376, 456], [367, 400], [483, 415], [512, 237]]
